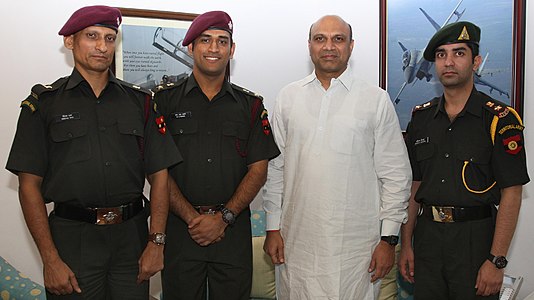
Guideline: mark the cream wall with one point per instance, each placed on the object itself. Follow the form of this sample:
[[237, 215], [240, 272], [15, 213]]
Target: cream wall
[[271, 51]]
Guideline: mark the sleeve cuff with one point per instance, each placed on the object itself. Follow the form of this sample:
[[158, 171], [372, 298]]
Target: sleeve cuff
[[272, 221], [390, 228]]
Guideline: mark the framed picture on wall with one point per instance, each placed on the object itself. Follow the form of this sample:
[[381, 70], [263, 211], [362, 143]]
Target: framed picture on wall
[[407, 26], [150, 51]]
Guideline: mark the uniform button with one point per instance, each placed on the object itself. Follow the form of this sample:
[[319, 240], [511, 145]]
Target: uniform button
[[97, 101], [69, 134], [134, 131], [442, 180], [210, 160], [107, 163], [446, 155], [450, 129], [181, 131]]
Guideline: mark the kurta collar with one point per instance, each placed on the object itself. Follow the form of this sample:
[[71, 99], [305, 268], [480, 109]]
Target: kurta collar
[[345, 78]]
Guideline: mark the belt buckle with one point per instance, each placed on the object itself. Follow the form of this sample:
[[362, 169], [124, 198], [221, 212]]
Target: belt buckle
[[442, 214], [108, 215]]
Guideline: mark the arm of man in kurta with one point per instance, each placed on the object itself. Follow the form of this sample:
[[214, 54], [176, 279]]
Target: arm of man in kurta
[[406, 257], [489, 279], [394, 172], [207, 228], [272, 204], [151, 260], [58, 277]]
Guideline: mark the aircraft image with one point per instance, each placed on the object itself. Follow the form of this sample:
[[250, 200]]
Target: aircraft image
[[415, 67]]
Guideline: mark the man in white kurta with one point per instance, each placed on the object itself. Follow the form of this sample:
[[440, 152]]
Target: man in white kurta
[[341, 182]]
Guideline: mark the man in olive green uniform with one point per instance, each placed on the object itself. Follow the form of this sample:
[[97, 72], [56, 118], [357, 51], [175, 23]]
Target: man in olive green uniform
[[224, 135], [85, 143], [467, 156]]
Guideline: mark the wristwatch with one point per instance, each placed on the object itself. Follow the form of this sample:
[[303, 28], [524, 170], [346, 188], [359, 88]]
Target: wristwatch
[[157, 238], [499, 261], [393, 240], [228, 216]]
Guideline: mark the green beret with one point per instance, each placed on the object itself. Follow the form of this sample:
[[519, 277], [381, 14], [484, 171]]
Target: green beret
[[454, 33]]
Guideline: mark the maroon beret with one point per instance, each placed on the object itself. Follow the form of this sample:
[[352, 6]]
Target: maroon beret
[[97, 15], [210, 20]]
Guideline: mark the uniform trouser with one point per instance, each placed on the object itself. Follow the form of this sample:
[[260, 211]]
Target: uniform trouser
[[448, 257], [104, 258], [224, 268]]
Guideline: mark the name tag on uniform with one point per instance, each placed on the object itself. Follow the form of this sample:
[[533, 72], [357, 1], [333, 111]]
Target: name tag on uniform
[[66, 117], [182, 115], [422, 141]]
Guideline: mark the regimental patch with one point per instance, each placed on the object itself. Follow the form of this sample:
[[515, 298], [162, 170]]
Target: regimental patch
[[265, 122], [511, 126], [464, 36], [513, 144], [160, 122]]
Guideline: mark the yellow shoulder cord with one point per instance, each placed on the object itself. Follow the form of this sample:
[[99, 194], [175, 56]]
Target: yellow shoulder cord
[[493, 129]]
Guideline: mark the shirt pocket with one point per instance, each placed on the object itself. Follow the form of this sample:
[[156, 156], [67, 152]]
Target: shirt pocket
[[132, 135], [234, 139], [424, 151], [348, 135], [70, 141]]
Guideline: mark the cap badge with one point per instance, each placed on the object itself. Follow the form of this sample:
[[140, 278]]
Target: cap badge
[[118, 21], [464, 36], [230, 25]]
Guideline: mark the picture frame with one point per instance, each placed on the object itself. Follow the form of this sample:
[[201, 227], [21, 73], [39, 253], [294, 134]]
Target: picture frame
[[149, 50], [406, 27]]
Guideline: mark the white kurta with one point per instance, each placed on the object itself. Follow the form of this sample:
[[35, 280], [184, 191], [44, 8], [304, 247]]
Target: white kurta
[[342, 180]]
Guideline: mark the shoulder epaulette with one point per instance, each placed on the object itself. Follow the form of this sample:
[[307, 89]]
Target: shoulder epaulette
[[170, 85], [38, 89], [424, 106], [499, 109], [248, 92], [135, 87]]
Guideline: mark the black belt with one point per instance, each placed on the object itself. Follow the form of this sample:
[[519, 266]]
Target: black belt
[[101, 215], [451, 214], [208, 209]]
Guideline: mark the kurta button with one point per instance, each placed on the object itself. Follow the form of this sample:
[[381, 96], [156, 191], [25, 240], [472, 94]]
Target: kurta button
[[97, 101], [69, 134], [442, 180], [134, 131], [107, 163], [181, 131], [210, 160], [446, 155], [450, 129]]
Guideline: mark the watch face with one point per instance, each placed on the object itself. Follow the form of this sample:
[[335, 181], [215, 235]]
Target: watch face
[[158, 238], [228, 216], [500, 262]]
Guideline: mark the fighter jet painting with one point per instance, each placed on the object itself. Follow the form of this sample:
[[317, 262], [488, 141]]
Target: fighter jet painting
[[411, 79]]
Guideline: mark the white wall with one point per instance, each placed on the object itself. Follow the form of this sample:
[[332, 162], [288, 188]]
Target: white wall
[[271, 39]]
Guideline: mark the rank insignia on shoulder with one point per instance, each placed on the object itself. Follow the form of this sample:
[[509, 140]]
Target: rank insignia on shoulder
[[500, 110], [265, 122], [513, 144], [28, 104], [160, 122], [422, 106]]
